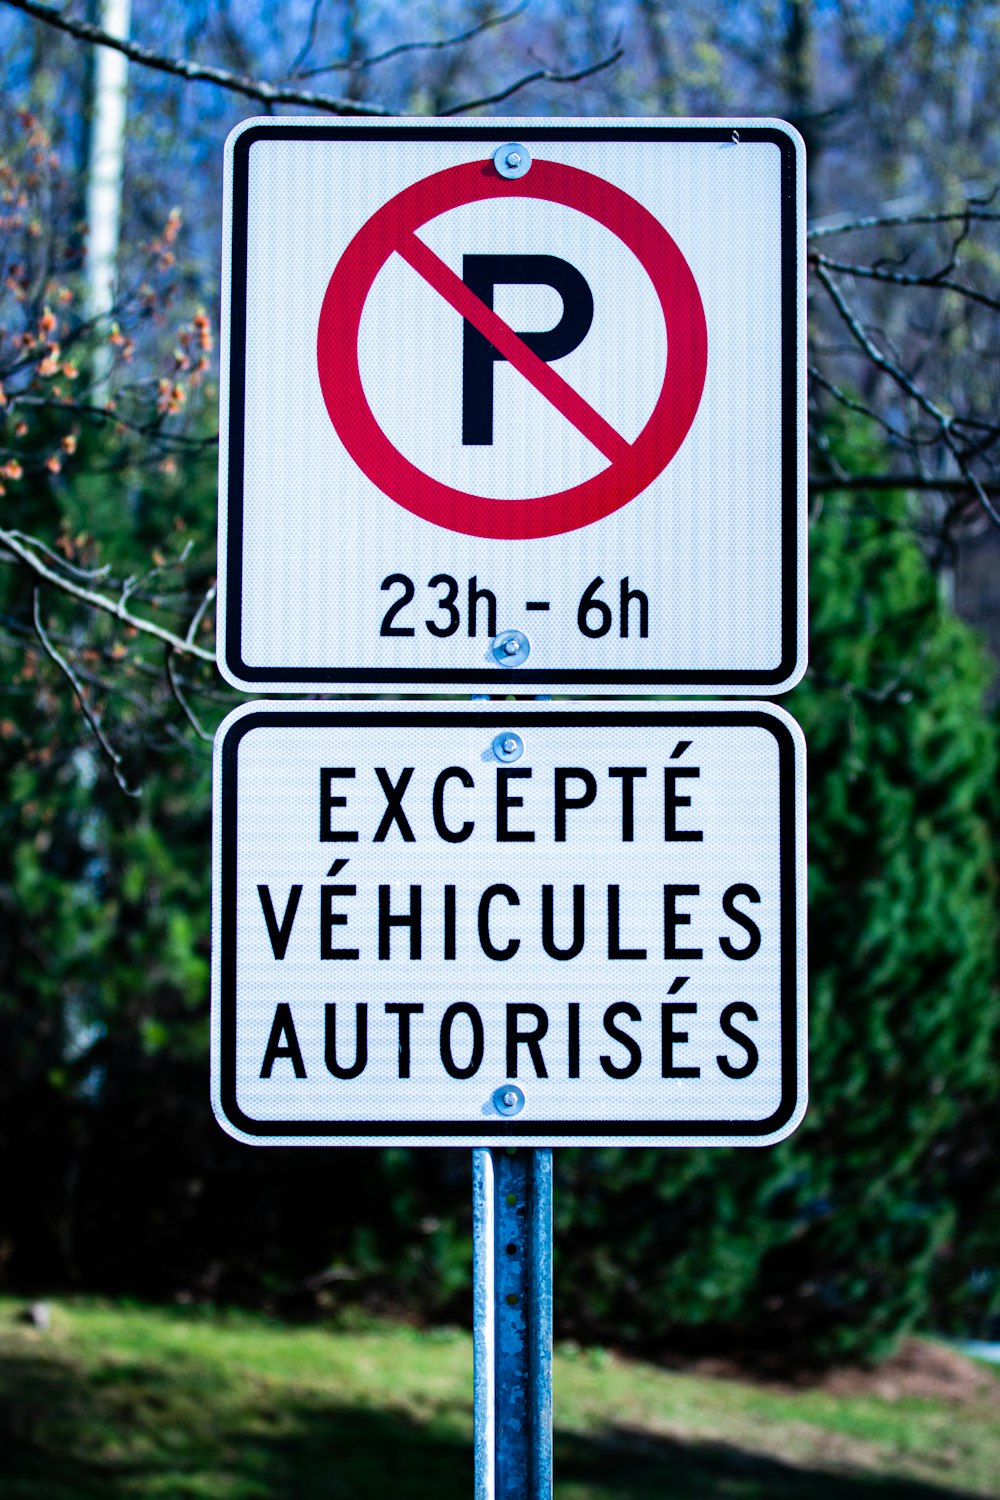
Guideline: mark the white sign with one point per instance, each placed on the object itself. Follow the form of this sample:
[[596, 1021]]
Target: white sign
[[543, 429], [492, 922]]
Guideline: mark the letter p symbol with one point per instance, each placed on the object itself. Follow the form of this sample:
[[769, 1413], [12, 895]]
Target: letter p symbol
[[481, 273]]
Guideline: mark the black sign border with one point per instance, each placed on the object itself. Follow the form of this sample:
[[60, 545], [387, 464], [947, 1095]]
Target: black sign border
[[496, 1130], [415, 677]]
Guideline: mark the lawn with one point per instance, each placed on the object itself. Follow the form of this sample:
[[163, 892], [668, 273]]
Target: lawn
[[117, 1401]]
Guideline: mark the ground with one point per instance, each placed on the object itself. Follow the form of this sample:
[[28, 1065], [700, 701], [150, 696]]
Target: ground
[[116, 1401]]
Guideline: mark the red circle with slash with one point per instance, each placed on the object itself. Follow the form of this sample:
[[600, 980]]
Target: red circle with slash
[[632, 467]]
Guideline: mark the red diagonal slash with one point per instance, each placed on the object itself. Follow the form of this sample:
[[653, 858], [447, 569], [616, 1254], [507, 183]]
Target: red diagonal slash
[[513, 348]]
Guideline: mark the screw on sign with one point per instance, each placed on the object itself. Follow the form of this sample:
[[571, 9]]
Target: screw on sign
[[632, 467], [508, 746], [512, 160]]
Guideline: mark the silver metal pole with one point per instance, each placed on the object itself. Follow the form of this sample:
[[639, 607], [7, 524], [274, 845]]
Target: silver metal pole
[[512, 1335]]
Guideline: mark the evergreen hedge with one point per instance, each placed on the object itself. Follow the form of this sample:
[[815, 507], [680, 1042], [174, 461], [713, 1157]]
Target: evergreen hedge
[[879, 1214]]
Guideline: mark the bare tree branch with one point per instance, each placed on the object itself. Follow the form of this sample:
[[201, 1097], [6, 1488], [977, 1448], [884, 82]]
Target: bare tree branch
[[380, 57], [277, 93], [541, 74], [307, 45], [112, 685], [182, 702], [109, 752], [251, 88], [972, 211], [936, 279], [882, 361], [11, 540]]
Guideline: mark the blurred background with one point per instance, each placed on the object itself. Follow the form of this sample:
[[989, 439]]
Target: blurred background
[[881, 1215]]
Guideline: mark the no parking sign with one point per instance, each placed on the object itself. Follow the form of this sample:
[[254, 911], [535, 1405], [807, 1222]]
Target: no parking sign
[[631, 467], [500, 429]]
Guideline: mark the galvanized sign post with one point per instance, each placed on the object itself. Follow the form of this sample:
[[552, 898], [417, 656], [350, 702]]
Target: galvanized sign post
[[511, 406], [512, 1322]]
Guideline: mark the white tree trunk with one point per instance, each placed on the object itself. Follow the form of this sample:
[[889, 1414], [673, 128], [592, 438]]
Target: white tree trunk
[[104, 177]]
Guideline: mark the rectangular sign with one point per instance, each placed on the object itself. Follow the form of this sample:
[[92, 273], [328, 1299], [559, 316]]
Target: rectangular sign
[[492, 922], [513, 405]]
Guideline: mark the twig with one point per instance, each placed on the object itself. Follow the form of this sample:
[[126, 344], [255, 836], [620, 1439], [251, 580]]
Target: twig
[[884, 221], [974, 483], [199, 614], [116, 608], [892, 692], [152, 430], [932, 279], [851, 403], [882, 361], [175, 688], [62, 562], [109, 752], [135, 581], [307, 45], [544, 74], [360, 63]]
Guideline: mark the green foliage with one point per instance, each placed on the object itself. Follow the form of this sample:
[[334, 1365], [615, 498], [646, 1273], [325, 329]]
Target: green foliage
[[849, 1232]]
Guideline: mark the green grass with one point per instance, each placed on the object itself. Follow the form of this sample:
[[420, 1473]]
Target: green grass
[[118, 1401]]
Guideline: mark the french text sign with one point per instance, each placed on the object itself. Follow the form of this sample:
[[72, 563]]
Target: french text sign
[[497, 922]]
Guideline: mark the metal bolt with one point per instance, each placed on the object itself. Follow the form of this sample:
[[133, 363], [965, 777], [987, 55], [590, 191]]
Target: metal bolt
[[510, 648], [508, 746], [512, 159], [508, 1099]]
